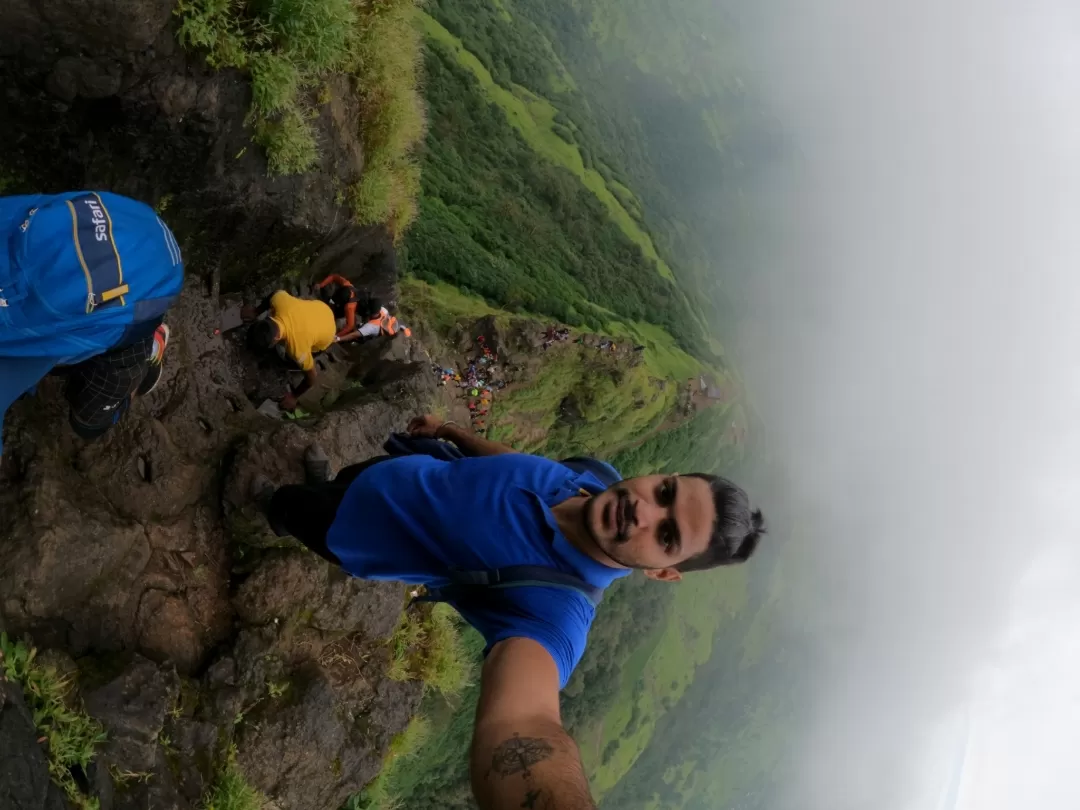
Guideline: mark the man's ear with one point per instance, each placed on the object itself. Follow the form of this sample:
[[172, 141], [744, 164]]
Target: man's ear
[[664, 574]]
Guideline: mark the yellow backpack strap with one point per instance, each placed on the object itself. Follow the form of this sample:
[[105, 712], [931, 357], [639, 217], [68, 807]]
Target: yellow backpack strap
[[92, 230]]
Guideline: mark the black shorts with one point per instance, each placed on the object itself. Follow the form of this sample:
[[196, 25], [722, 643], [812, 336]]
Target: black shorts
[[306, 511], [99, 389]]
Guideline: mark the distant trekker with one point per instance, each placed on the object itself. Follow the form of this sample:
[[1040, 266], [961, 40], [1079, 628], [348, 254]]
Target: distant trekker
[[523, 547], [300, 328], [85, 281], [348, 303], [343, 298]]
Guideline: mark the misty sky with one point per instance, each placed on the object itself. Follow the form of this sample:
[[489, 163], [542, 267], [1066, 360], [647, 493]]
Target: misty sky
[[913, 346]]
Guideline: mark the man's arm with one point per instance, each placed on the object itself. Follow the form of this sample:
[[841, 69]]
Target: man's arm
[[307, 382], [249, 313], [289, 401], [350, 319], [369, 329], [521, 755], [334, 278], [434, 428]]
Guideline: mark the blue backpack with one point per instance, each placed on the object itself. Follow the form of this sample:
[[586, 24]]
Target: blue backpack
[[81, 272]]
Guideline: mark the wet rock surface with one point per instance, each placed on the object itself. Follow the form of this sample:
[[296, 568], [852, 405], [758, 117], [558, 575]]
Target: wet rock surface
[[145, 545], [231, 636], [139, 559], [24, 771]]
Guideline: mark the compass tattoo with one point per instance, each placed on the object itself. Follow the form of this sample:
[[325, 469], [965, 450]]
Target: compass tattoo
[[518, 754]]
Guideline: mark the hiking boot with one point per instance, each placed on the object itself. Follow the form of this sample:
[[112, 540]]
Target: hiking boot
[[157, 359], [150, 381], [316, 465]]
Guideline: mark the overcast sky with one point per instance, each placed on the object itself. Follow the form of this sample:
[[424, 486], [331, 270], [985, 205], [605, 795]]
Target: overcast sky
[[914, 349]]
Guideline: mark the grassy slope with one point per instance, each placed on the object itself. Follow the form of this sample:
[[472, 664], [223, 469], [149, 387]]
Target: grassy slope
[[719, 775], [692, 47], [664, 666], [534, 117], [684, 42], [527, 416]]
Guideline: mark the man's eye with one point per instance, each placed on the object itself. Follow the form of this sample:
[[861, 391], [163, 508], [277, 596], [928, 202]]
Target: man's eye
[[667, 536], [665, 494]]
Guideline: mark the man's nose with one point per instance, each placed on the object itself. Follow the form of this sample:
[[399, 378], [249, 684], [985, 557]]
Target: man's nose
[[646, 514]]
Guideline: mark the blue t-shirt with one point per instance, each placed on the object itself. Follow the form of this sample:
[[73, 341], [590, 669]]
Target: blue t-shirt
[[413, 518]]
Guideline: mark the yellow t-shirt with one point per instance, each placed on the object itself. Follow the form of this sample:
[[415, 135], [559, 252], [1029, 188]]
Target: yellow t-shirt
[[306, 326]]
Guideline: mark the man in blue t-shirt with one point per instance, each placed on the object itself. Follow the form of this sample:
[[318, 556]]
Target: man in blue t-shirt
[[416, 518]]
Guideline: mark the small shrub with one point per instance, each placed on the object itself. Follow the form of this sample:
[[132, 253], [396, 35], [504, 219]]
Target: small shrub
[[564, 133], [316, 33], [217, 27], [231, 790], [609, 751], [289, 143], [275, 82], [426, 646], [71, 734], [370, 197], [288, 47], [404, 746]]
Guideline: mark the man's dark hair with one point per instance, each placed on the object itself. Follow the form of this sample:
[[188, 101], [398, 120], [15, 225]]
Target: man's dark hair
[[341, 297], [328, 292], [737, 529], [262, 335], [370, 306]]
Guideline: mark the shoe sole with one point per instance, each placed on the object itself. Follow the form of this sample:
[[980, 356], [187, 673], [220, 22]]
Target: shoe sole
[[150, 381], [165, 332]]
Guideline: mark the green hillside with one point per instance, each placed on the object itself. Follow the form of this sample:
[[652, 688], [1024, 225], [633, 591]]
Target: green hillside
[[515, 206], [536, 119], [582, 166], [659, 673]]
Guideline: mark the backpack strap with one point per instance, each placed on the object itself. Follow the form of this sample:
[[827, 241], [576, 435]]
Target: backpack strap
[[472, 584], [95, 247], [402, 444], [601, 470]]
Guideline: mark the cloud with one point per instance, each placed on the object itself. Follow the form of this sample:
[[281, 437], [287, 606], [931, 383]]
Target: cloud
[[913, 346]]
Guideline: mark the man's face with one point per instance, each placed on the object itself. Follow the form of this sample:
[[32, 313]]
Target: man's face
[[652, 522]]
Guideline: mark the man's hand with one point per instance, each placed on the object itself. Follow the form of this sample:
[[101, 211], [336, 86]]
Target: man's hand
[[288, 402], [432, 427], [425, 426], [521, 755]]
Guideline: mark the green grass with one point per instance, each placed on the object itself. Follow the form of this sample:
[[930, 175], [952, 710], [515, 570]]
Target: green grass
[[662, 669], [534, 117], [403, 748], [426, 646], [388, 52], [275, 82], [231, 790], [619, 404], [71, 736], [442, 307], [289, 48], [289, 142]]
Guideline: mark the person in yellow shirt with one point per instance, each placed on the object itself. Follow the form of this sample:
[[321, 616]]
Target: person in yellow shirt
[[301, 327]]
